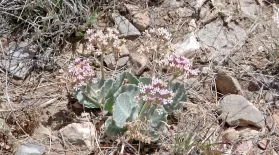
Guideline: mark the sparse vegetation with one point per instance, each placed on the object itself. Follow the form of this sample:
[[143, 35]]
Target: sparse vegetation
[[193, 78], [139, 106]]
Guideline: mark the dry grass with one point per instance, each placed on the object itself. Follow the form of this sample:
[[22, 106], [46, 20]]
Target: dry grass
[[47, 23]]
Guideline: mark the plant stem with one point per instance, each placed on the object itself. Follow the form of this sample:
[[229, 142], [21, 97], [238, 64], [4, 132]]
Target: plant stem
[[144, 108], [102, 66], [92, 99], [92, 90], [175, 75]]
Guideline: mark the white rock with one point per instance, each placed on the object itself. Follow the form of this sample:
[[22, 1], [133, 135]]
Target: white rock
[[250, 8], [30, 148], [206, 70], [192, 25], [188, 47], [199, 3], [18, 61], [276, 16], [196, 3]]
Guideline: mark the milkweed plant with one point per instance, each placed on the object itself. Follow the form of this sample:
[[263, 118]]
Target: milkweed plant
[[137, 106]]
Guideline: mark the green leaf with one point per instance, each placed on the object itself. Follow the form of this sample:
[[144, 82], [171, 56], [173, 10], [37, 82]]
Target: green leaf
[[122, 109], [157, 121], [108, 106], [100, 82], [104, 90], [145, 80], [112, 129], [117, 84], [178, 99], [92, 18], [134, 113], [86, 101], [132, 78], [158, 118], [179, 92], [132, 89], [80, 34]]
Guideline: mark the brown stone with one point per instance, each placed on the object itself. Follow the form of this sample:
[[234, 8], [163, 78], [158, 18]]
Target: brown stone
[[230, 135], [272, 121], [227, 84], [139, 63], [244, 147], [263, 144]]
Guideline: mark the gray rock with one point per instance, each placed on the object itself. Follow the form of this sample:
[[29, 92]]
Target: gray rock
[[140, 19], [250, 8], [206, 70], [30, 148], [18, 62], [196, 3], [112, 63], [80, 134], [126, 29], [4, 128], [220, 40], [269, 97], [227, 84], [237, 111]]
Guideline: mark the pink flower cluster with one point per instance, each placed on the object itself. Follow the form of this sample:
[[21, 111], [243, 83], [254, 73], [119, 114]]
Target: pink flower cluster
[[81, 72], [103, 41], [182, 65], [155, 93]]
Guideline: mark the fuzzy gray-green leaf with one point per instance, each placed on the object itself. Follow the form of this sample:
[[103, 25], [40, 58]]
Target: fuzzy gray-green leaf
[[132, 78], [104, 90], [158, 118], [122, 109], [108, 106], [84, 100], [112, 129], [134, 113], [132, 89], [178, 99], [116, 84], [145, 80]]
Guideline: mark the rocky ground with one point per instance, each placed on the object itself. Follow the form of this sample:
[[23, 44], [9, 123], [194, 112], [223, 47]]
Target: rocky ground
[[232, 108]]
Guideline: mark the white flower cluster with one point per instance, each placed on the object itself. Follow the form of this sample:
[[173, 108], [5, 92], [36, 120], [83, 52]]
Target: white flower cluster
[[161, 33], [104, 41], [158, 41], [81, 72], [155, 93]]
